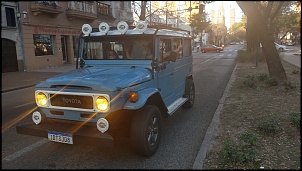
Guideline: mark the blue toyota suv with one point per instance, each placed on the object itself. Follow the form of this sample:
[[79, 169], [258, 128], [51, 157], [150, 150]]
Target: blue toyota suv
[[126, 80]]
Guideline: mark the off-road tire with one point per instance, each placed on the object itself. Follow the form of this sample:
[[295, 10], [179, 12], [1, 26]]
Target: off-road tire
[[190, 93], [145, 130]]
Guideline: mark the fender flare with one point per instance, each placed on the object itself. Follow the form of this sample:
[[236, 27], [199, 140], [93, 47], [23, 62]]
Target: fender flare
[[143, 96]]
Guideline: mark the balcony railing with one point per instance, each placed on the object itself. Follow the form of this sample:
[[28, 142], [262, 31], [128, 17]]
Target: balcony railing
[[104, 10], [49, 7], [81, 9]]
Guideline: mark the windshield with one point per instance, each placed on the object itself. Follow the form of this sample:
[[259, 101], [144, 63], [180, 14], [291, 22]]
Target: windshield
[[115, 48]]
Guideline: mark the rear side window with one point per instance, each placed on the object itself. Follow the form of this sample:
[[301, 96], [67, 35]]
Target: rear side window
[[187, 48]]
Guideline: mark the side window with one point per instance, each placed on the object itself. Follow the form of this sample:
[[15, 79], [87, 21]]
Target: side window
[[164, 49], [178, 47], [187, 48]]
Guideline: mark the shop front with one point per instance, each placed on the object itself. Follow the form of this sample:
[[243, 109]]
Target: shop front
[[49, 46]]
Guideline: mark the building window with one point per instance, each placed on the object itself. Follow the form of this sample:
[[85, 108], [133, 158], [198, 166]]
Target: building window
[[43, 44], [10, 17], [103, 9]]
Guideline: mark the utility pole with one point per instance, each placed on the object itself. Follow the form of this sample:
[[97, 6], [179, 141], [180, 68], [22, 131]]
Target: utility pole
[[166, 14], [150, 13]]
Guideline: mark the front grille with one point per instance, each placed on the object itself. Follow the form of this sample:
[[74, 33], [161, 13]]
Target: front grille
[[74, 101]]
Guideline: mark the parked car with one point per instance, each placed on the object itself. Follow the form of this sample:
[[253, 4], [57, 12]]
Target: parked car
[[290, 43], [128, 80], [280, 48], [211, 48]]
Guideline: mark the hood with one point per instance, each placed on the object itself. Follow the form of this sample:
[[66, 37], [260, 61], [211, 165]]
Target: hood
[[100, 78]]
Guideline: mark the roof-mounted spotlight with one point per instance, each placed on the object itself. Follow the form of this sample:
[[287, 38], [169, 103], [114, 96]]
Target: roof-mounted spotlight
[[122, 27], [86, 29], [104, 28], [141, 26]]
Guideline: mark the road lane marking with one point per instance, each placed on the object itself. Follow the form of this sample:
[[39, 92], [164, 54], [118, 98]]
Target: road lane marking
[[24, 104], [25, 150], [206, 60]]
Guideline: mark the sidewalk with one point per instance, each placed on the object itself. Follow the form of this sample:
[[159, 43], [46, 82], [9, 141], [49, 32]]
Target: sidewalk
[[292, 55], [17, 80]]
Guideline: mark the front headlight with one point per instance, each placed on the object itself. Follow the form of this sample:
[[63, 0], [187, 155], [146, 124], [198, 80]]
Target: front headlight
[[41, 99], [102, 103]]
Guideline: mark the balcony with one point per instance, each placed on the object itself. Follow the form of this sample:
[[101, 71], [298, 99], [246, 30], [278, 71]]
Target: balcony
[[81, 9], [105, 13], [48, 7]]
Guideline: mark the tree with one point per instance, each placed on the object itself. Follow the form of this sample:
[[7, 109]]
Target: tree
[[139, 8], [198, 24], [287, 21], [259, 15], [237, 31]]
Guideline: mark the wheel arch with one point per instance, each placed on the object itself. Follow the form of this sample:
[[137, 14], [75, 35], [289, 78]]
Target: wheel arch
[[150, 96]]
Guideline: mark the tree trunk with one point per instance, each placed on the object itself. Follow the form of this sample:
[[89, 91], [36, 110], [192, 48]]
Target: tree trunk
[[271, 54], [143, 10], [269, 50]]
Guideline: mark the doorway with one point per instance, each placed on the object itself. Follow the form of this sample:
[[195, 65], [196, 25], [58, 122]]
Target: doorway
[[9, 56], [64, 48]]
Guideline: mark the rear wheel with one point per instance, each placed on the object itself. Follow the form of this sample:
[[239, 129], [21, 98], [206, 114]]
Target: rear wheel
[[190, 91], [281, 49], [146, 130]]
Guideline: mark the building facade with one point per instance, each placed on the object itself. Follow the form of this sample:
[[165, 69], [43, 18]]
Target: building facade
[[12, 54], [51, 29]]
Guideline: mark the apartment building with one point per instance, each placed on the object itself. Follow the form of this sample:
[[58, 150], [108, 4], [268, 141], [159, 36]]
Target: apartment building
[[50, 29]]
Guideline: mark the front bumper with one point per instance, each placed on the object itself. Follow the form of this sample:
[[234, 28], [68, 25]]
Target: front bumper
[[81, 135]]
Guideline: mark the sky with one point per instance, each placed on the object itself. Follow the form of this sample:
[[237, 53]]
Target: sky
[[227, 4]]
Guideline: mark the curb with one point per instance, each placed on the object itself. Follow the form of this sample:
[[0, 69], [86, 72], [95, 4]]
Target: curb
[[198, 163], [17, 88]]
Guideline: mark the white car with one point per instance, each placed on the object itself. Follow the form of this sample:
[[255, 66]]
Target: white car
[[280, 48]]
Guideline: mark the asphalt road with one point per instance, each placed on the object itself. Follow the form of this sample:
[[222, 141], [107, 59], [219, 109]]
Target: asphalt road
[[183, 132]]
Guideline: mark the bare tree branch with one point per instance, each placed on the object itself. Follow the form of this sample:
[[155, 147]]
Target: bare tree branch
[[273, 16]]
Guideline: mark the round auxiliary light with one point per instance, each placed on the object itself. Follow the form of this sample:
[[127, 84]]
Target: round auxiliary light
[[102, 125], [36, 117], [122, 27], [104, 28], [86, 29], [141, 26]]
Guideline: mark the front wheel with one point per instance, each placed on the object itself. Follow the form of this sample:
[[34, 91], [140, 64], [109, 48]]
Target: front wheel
[[190, 92], [146, 130]]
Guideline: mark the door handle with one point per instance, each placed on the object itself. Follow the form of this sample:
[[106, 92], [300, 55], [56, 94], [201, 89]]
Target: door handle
[[171, 75]]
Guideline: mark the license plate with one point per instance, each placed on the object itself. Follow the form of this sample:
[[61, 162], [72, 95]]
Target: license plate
[[60, 137]]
